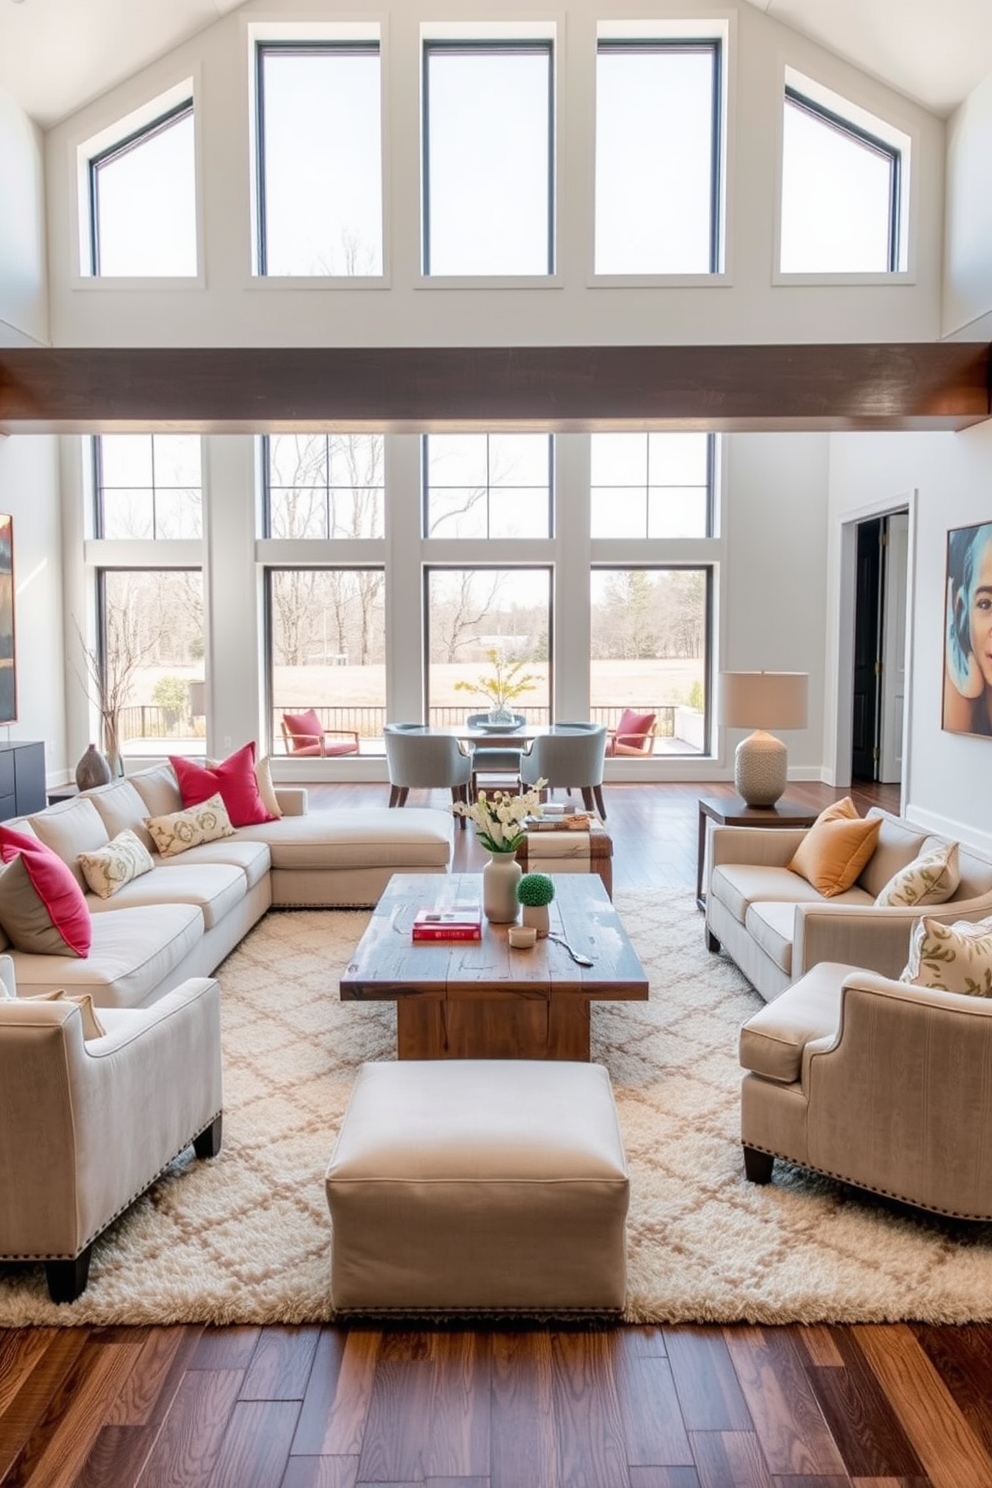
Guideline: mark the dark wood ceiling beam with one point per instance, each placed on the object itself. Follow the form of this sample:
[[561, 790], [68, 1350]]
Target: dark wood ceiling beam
[[910, 385]]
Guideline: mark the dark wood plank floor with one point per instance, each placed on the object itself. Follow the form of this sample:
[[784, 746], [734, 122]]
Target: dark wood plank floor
[[899, 1406]]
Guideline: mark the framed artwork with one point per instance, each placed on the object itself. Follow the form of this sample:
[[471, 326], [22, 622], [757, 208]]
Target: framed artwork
[[967, 705], [8, 657]]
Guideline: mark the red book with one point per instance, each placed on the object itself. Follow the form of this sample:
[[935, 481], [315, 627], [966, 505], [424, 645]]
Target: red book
[[453, 922]]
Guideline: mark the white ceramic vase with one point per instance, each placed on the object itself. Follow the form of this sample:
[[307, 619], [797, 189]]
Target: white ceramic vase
[[500, 877]]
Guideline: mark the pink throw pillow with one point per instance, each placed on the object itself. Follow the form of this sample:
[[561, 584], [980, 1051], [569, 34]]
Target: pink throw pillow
[[305, 729], [234, 778], [55, 887]]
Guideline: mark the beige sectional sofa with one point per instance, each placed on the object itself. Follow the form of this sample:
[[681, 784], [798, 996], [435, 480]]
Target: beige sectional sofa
[[181, 919], [776, 926]]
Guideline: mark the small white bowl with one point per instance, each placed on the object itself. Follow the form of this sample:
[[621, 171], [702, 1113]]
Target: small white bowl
[[522, 937]]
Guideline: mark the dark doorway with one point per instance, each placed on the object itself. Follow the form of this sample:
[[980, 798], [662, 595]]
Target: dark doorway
[[867, 650]]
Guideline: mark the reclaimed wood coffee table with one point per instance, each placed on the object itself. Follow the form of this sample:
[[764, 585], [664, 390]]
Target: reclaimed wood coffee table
[[483, 999]]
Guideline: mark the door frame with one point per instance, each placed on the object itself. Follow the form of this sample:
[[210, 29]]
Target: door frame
[[844, 717]]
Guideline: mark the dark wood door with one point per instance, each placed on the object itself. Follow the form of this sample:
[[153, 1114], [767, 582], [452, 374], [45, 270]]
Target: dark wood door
[[867, 632]]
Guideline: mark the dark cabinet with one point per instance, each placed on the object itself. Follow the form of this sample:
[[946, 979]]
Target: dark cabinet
[[22, 779]]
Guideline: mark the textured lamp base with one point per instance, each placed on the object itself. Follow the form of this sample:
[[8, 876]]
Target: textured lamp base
[[760, 768]]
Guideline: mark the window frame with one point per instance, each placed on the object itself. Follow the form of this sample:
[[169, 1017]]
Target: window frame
[[897, 259], [270, 569], [430, 566], [96, 452], [714, 45], [473, 46], [367, 46], [131, 141], [265, 443], [488, 435], [708, 568], [711, 505]]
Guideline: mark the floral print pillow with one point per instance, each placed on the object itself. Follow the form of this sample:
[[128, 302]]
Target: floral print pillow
[[930, 879], [951, 958], [111, 867], [182, 830]]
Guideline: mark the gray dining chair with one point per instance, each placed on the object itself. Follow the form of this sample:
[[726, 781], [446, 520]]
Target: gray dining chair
[[421, 760], [488, 759], [572, 757]]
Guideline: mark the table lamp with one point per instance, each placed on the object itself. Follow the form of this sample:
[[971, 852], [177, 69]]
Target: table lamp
[[761, 701]]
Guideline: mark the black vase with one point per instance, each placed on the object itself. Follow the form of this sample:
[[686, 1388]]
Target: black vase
[[92, 769]]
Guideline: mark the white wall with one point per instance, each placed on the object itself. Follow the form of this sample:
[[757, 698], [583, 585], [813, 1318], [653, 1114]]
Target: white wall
[[948, 782], [29, 490], [228, 308], [968, 229], [774, 585], [23, 292]]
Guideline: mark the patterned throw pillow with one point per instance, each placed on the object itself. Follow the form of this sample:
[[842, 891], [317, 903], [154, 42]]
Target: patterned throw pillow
[[951, 958], [92, 1027], [111, 867], [181, 830], [930, 879]]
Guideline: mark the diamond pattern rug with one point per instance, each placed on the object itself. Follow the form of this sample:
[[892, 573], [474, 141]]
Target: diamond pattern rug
[[246, 1238]]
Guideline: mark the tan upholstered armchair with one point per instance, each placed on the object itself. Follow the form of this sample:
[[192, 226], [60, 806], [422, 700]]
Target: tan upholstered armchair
[[89, 1123], [876, 1082]]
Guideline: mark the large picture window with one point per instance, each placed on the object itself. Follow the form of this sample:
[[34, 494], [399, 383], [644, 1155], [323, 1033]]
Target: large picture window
[[474, 614], [657, 157], [841, 187], [148, 486], [651, 485], [319, 159], [649, 651], [143, 201], [327, 649], [488, 142], [151, 652], [487, 485], [324, 485]]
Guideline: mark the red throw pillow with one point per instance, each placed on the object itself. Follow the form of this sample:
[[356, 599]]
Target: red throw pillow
[[305, 729], [234, 778], [54, 885]]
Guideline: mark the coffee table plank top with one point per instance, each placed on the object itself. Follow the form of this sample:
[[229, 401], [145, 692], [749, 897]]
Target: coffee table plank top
[[387, 964]]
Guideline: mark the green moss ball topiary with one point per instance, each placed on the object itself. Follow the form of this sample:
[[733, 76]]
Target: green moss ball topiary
[[535, 888]]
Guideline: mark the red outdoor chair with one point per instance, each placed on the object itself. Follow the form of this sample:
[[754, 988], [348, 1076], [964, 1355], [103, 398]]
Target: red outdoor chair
[[304, 734], [634, 734]]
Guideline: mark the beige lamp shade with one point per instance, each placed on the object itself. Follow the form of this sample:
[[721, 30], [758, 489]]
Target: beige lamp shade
[[762, 701]]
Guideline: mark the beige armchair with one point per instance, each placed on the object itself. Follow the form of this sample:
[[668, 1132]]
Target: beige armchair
[[89, 1123], [876, 1082]]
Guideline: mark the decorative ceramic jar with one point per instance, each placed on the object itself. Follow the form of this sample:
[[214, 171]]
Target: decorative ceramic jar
[[92, 769], [499, 888], [536, 915]]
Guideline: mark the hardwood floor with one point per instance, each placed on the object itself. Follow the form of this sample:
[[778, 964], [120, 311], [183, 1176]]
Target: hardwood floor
[[898, 1406]]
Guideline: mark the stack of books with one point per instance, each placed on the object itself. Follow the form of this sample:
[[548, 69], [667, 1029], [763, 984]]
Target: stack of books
[[458, 920]]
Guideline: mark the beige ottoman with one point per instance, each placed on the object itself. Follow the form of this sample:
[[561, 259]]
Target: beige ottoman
[[479, 1185]]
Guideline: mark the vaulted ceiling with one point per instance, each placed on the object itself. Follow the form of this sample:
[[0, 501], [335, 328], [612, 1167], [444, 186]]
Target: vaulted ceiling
[[56, 55]]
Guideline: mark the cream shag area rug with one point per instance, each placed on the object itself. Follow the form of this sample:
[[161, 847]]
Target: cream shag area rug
[[246, 1238]]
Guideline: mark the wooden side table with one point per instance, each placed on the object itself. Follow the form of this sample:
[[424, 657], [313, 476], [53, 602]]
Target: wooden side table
[[731, 811]]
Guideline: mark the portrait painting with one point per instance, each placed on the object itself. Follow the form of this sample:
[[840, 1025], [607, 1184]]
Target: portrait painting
[[8, 669], [967, 705]]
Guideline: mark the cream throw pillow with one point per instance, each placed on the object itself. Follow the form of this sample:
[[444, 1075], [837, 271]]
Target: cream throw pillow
[[111, 867], [836, 848], [930, 879], [181, 830], [951, 958], [92, 1027]]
